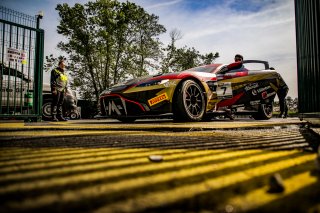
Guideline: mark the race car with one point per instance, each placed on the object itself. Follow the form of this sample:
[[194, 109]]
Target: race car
[[196, 94]]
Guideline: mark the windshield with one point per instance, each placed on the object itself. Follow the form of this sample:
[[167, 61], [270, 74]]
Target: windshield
[[207, 68]]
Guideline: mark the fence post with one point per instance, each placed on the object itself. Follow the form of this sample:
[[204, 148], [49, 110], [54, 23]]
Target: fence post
[[39, 69]]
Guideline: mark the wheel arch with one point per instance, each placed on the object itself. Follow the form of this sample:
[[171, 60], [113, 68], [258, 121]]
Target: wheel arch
[[262, 114], [174, 98]]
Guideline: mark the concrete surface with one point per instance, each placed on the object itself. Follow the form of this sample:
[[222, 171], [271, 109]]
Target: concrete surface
[[104, 166]]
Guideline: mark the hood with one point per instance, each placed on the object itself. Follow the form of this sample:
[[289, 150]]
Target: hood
[[142, 79], [202, 76], [150, 78]]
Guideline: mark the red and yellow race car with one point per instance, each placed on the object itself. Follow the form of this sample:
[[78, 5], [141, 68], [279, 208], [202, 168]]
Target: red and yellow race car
[[197, 94]]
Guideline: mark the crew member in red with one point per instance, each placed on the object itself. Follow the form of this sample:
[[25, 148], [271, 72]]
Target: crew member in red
[[236, 66], [238, 63]]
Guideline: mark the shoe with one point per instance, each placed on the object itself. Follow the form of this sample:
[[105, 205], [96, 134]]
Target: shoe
[[60, 118], [54, 118]]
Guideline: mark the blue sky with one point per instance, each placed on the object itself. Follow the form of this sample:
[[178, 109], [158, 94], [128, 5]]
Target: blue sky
[[257, 29], [237, 5]]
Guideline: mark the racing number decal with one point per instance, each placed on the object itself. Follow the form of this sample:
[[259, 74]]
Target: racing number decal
[[224, 90]]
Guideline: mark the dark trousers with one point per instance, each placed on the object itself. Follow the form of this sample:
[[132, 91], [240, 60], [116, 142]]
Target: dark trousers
[[282, 93], [57, 101]]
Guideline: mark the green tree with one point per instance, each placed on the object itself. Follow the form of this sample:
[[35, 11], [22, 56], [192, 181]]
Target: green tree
[[144, 45], [106, 42], [52, 62], [169, 60], [209, 58], [76, 25], [177, 59]]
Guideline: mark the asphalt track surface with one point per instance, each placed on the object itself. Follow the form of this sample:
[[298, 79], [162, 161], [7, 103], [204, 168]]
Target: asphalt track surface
[[104, 166]]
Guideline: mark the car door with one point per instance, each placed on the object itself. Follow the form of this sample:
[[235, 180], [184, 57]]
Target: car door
[[230, 87]]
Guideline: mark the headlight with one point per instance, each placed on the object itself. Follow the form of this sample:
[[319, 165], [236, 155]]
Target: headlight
[[105, 92], [154, 82]]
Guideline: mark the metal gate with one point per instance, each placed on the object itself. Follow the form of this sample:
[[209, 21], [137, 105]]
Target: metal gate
[[21, 65]]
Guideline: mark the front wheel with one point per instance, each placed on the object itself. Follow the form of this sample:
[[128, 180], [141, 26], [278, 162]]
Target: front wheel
[[46, 110], [190, 102], [264, 112]]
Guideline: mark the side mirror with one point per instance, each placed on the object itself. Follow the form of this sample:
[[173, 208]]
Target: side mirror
[[223, 70]]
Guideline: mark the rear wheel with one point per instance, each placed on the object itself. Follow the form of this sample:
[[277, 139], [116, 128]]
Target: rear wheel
[[264, 112], [190, 102], [74, 116]]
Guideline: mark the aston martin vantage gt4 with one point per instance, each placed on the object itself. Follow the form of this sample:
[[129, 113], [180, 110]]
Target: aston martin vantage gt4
[[196, 94]]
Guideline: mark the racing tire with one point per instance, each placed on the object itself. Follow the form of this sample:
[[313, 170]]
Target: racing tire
[[126, 120], [74, 116], [264, 112], [190, 102], [46, 110]]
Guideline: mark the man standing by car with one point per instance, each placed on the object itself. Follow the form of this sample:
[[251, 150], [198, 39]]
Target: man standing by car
[[235, 66], [238, 63], [282, 93], [58, 83]]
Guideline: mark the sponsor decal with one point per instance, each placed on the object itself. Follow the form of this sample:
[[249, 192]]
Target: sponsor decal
[[255, 102], [259, 90], [251, 86], [263, 89], [254, 92], [112, 107], [158, 99], [266, 95]]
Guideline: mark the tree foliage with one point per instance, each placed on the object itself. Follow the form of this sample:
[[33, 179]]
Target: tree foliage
[[177, 59], [108, 41]]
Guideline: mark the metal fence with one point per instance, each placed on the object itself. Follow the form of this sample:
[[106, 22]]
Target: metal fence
[[21, 59]]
